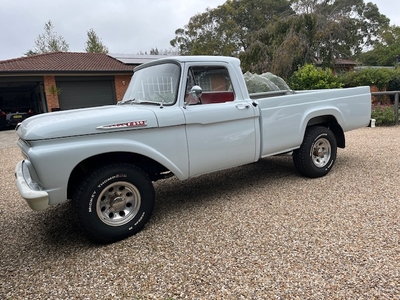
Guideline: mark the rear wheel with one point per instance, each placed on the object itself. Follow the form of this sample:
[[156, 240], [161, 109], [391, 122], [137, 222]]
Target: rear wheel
[[317, 154], [114, 202]]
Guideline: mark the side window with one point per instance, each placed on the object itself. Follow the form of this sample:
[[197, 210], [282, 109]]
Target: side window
[[214, 81]]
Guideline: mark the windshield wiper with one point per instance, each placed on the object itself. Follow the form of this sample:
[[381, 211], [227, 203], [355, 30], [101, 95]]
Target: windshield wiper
[[140, 102], [126, 101], [148, 102]]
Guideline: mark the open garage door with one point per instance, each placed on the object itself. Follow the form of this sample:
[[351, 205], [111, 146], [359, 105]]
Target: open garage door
[[20, 97], [87, 92]]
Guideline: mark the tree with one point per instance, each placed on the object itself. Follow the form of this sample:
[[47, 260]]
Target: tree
[[94, 43], [49, 41], [318, 30], [280, 35], [282, 46], [347, 27], [226, 30], [203, 36], [386, 50], [154, 51]]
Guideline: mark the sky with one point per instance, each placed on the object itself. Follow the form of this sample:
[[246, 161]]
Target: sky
[[124, 26]]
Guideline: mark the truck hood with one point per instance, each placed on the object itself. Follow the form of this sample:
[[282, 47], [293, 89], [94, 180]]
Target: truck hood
[[87, 121]]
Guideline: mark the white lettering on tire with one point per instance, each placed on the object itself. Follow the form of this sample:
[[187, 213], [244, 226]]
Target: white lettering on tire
[[111, 178], [91, 201]]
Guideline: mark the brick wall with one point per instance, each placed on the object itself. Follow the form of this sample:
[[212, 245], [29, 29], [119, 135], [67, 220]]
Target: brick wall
[[121, 84], [50, 91]]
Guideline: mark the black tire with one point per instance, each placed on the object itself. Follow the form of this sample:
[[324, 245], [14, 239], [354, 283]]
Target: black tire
[[114, 202], [317, 154]]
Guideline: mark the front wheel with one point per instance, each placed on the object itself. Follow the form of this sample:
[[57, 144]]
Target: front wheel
[[317, 154], [114, 202]]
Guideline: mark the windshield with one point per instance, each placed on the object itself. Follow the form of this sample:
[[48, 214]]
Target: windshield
[[156, 84]]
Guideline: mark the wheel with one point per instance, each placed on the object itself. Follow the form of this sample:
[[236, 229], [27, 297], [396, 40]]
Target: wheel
[[114, 202], [317, 154]]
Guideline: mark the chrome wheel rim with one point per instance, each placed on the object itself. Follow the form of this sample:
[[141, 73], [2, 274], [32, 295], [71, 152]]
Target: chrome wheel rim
[[321, 153], [118, 203]]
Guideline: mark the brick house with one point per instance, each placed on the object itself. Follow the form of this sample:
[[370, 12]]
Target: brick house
[[341, 65], [65, 80]]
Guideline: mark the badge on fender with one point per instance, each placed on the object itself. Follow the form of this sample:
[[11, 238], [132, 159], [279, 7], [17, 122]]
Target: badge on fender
[[124, 125]]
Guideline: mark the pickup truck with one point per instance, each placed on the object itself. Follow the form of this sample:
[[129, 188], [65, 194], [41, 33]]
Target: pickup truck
[[180, 116]]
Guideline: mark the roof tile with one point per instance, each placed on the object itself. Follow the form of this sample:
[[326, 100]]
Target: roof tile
[[64, 62]]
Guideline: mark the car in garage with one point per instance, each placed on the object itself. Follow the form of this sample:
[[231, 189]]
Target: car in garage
[[12, 119]]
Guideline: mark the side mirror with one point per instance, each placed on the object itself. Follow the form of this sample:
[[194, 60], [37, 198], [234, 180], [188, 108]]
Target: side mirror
[[194, 98], [196, 91]]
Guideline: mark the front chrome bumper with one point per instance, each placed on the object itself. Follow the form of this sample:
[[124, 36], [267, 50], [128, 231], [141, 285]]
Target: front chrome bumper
[[36, 199]]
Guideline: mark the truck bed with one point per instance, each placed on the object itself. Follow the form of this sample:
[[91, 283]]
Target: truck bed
[[285, 114]]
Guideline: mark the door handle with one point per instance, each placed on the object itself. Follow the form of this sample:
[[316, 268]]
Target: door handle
[[242, 106]]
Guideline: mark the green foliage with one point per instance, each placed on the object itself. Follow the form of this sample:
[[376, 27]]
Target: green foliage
[[394, 82], [226, 30], [386, 51], [154, 51], [49, 41], [278, 35], [378, 77], [53, 90], [94, 43], [309, 77], [281, 46], [383, 114]]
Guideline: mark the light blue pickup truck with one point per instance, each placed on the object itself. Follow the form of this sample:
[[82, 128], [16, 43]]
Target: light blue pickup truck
[[181, 116]]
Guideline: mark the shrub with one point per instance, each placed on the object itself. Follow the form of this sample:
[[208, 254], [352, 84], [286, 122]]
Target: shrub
[[383, 114], [394, 82], [370, 76], [308, 77]]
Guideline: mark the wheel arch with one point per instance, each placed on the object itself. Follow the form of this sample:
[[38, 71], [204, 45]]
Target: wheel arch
[[154, 169], [330, 122]]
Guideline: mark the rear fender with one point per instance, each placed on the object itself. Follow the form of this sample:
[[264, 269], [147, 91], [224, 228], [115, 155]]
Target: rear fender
[[330, 118]]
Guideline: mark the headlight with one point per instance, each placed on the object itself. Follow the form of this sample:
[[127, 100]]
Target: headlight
[[27, 176]]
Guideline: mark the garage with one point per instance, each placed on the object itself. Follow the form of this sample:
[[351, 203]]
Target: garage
[[21, 94], [64, 80], [78, 92], [20, 98]]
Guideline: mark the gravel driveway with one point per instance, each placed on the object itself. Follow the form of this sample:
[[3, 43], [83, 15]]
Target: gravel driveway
[[8, 139], [255, 232]]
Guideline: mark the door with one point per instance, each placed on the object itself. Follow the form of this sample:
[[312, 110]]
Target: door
[[219, 135]]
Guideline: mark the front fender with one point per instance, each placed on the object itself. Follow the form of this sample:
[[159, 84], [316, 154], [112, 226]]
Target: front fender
[[54, 160]]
